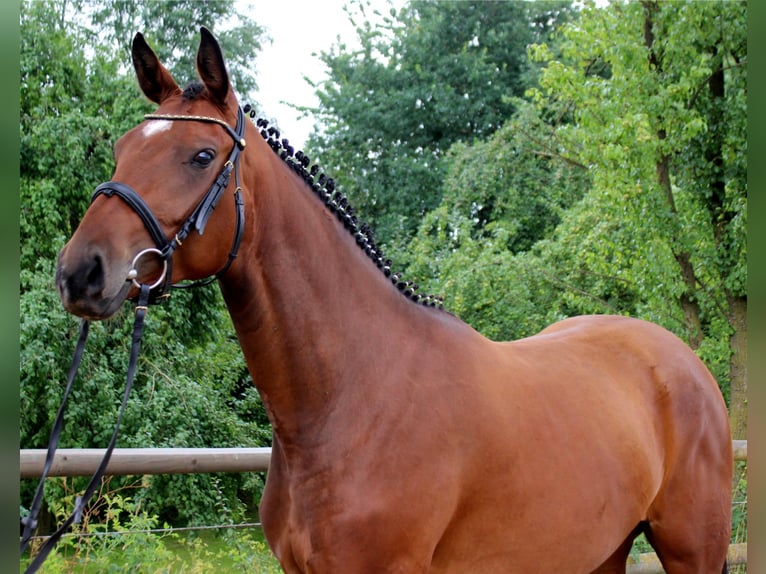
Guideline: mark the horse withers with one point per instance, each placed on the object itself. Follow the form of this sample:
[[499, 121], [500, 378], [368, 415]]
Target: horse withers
[[403, 440]]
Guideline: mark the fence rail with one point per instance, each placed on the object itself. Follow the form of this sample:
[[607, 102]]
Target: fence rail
[[84, 461]]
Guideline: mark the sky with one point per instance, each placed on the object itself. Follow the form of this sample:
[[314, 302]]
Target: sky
[[298, 28]]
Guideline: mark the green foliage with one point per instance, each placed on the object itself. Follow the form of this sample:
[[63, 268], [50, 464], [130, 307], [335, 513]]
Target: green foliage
[[66, 134], [91, 550], [192, 387], [739, 510], [650, 107], [504, 185], [172, 29], [562, 211], [666, 211], [433, 74], [115, 535], [234, 552], [183, 396], [501, 198]]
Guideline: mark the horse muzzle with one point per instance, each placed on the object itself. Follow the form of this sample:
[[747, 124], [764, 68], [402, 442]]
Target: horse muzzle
[[92, 286]]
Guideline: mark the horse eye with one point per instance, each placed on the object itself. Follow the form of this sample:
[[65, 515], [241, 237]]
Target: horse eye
[[204, 158]]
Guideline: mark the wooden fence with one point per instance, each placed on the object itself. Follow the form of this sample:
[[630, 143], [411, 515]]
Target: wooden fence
[[84, 461]]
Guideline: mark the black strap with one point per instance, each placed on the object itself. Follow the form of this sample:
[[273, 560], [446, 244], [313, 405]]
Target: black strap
[[213, 196], [211, 199], [240, 226], [127, 194], [30, 521], [50, 542]]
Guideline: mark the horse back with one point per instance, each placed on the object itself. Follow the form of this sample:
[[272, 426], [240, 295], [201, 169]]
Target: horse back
[[636, 369]]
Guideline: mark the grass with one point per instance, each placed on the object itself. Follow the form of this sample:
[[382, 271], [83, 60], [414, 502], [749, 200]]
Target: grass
[[183, 553], [234, 551]]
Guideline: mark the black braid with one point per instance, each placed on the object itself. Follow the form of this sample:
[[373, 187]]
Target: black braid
[[324, 187]]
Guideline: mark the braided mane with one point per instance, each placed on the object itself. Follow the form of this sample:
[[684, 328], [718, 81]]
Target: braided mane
[[337, 203]]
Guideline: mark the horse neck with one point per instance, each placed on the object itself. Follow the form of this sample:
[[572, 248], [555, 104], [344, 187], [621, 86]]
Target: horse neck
[[307, 303]]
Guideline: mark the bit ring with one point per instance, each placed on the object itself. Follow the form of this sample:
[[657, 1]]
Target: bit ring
[[133, 273]]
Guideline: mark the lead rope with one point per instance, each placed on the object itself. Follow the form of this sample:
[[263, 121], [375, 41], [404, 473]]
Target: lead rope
[[30, 521]]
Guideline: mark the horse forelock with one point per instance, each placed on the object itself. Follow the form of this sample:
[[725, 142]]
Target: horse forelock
[[193, 90]]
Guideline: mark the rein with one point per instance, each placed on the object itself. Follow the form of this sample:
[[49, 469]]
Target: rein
[[30, 522], [147, 294]]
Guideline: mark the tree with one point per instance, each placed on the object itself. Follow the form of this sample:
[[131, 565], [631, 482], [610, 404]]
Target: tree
[[169, 27], [501, 198], [433, 74], [623, 191], [657, 92]]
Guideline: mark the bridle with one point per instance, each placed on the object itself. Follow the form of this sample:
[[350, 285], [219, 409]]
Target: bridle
[[165, 248], [147, 293]]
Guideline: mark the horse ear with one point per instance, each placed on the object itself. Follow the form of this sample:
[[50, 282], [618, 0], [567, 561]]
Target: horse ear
[[211, 67], [154, 79]]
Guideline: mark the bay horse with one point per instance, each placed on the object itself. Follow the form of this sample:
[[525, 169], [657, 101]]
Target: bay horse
[[403, 440]]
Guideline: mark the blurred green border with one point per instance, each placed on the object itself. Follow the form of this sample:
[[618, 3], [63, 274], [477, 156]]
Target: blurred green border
[[756, 286], [9, 280]]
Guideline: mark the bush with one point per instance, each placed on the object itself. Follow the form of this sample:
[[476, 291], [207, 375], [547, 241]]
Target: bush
[[116, 535]]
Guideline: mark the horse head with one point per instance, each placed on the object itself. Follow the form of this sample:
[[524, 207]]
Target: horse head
[[170, 172]]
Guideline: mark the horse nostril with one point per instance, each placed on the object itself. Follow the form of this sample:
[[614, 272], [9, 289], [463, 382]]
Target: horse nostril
[[94, 276]]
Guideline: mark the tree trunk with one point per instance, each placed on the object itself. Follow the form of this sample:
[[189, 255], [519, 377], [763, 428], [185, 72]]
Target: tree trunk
[[688, 299], [721, 218]]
